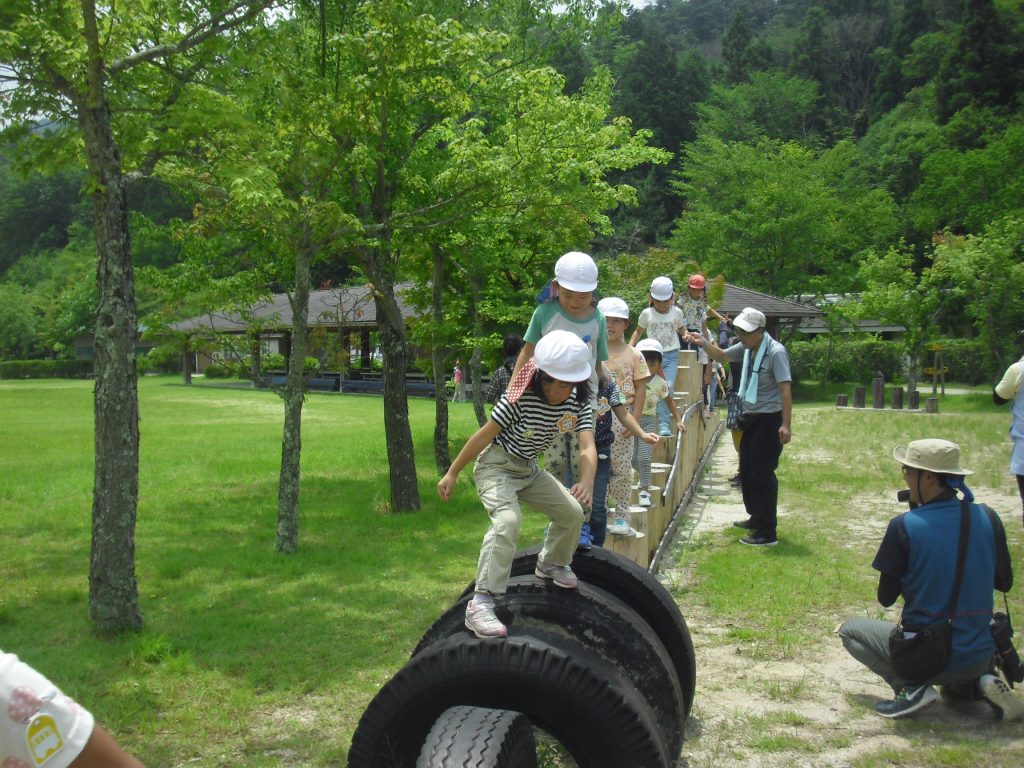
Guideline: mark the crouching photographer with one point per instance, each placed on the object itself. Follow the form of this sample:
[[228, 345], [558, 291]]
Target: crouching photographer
[[944, 556]]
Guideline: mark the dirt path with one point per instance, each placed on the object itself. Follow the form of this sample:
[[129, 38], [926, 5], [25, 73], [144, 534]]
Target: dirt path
[[816, 710]]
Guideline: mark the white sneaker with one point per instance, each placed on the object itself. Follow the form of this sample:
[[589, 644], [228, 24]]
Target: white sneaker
[[1000, 697], [481, 619], [644, 499]]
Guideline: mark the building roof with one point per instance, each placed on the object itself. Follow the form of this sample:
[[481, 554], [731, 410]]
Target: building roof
[[736, 299], [345, 306]]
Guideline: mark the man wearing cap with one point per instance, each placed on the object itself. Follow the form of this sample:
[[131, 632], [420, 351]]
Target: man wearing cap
[[765, 391], [918, 560], [1009, 388]]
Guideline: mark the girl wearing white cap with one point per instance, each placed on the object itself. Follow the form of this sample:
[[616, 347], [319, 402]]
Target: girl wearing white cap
[[663, 320], [550, 395]]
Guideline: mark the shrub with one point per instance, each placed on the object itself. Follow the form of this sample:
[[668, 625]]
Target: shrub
[[46, 369], [273, 362], [217, 371]]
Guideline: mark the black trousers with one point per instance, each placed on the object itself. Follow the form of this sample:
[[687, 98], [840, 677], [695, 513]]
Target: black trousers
[[760, 450]]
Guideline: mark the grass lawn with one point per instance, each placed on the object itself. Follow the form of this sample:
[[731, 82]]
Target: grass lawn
[[250, 658]]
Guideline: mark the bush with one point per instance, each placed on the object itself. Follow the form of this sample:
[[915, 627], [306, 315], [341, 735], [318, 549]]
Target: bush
[[46, 369], [165, 358], [217, 371], [273, 362]]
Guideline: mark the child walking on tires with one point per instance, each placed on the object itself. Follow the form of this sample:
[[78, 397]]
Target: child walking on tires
[[549, 395]]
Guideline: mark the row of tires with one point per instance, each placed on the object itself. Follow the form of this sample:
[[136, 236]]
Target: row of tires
[[607, 670]]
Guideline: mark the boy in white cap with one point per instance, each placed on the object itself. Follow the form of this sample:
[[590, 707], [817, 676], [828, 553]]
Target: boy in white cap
[[548, 396], [658, 391], [568, 304], [918, 559], [662, 320]]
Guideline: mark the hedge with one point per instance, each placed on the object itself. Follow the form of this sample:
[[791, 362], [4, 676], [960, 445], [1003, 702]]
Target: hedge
[[46, 369]]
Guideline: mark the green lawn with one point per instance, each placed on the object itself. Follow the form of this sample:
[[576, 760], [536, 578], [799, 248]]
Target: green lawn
[[250, 658]]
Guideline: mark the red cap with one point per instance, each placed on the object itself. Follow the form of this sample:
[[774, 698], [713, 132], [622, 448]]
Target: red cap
[[697, 281]]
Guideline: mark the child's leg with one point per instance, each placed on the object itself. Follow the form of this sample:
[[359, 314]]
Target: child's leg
[[669, 362], [620, 486], [549, 496], [643, 453], [599, 505], [497, 483]]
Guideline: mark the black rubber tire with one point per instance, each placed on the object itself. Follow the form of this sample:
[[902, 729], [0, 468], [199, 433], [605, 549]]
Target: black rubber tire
[[598, 620], [474, 737], [583, 702], [639, 590]]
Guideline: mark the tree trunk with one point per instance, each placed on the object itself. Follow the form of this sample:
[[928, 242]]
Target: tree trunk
[[294, 395], [186, 362], [255, 360], [113, 590], [438, 359], [475, 356]]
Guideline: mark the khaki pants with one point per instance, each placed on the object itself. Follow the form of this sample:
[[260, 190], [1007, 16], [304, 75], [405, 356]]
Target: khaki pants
[[503, 481]]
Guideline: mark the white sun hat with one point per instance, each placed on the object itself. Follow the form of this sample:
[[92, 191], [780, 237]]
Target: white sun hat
[[562, 355], [931, 455], [662, 288], [650, 345], [576, 271], [749, 320], [613, 306]]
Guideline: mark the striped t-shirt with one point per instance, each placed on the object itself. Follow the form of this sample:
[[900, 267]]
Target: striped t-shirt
[[529, 424]]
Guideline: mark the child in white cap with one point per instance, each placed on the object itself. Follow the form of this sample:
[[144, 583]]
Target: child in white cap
[[548, 396], [657, 392], [663, 320]]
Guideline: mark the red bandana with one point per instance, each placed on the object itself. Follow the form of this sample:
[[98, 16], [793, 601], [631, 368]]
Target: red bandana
[[522, 380]]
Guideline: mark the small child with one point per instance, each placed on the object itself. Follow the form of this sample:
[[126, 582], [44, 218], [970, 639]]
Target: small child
[[610, 408], [549, 395], [663, 321], [657, 392]]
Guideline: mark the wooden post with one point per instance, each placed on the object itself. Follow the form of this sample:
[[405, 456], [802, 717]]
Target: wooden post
[[842, 401], [897, 398], [913, 400], [878, 393], [931, 405], [858, 397]]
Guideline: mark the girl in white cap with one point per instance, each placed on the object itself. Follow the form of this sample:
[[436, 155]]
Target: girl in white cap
[[550, 395], [662, 321]]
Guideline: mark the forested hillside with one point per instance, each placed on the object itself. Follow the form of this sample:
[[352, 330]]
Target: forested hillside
[[810, 147]]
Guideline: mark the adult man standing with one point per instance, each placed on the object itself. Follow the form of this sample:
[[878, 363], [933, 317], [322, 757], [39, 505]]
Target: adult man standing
[[1009, 388], [765, 390], [918, 560]]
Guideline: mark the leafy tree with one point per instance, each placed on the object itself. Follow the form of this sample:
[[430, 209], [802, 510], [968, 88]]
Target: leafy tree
[[19, 323], [772, 105], [736, 44]]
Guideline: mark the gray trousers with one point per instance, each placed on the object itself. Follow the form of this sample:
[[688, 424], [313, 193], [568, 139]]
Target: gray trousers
[[867, 640], [502, 482]]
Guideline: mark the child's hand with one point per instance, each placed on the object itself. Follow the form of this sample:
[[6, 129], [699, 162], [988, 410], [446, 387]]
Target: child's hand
[[582, 493], [446, 485], [682, 427], [650, 438]]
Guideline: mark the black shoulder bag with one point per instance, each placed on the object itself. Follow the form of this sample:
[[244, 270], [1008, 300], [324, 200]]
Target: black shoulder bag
[[919, 653]]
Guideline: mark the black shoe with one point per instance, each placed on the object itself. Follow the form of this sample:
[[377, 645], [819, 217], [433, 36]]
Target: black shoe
[[734, 481], [759, 541], [909, 699], [744, 524]]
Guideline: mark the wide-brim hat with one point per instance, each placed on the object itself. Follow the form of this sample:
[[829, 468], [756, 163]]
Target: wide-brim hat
[[576, 271], [564, 356], [931, 455]]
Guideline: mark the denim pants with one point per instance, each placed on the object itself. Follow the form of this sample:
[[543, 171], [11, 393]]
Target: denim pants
[[867, 640], [669, 362], [502, 482]]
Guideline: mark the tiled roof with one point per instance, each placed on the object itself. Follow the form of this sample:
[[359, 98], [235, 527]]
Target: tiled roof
[[736, 298]]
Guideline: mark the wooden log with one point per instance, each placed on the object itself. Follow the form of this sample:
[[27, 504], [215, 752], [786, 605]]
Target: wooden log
[[858, 397], [632, 547], [878, 392], [842, 401], [913, 400], [897, 398], [931, 405]]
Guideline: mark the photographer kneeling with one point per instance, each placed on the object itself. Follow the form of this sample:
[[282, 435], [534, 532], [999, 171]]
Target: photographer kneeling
[[944, 556]]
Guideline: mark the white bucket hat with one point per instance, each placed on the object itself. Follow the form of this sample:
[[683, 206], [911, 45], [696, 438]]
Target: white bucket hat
[[661, 288], [613, 306], [932, 455], [650, 345], [576, 271], [749, 320], [563, 356]]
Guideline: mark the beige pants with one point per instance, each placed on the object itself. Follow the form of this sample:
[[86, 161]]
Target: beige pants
[[503, 481]]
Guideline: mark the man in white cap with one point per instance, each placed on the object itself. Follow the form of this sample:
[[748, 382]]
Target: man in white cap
[[765, 391], [1009, 389], [918, 559]]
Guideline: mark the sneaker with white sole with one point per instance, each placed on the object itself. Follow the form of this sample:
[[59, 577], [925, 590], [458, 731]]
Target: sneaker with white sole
[[562, 575], [484, 623], [644, 499], [586, 537], [911, 698], [1000, 697]]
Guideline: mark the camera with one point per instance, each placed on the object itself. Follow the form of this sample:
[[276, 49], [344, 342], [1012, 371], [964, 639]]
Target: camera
[[1009, 660]]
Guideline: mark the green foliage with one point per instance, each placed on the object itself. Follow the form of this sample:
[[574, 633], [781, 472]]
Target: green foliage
[[273, 362], [849, 358], [46, 369], [217, 371]]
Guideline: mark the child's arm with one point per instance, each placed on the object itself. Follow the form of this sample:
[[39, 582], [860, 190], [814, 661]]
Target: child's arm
[[675, 411], [583, 491], [632, 425], [639, 397], [636, 336], [476, 443]]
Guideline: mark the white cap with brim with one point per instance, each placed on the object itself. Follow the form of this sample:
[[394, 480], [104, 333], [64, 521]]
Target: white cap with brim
[[613, 306], [662, 288], [576, 271], [749, 320], [931, 455], [562, 355], [650, 345]]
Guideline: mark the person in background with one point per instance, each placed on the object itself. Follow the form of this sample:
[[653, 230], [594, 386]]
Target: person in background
[[510, 347], [767, 397], [1009, 389], [657, 391], [917, 560], [547, 396], [459, 393], [662, 320], [40, 726]]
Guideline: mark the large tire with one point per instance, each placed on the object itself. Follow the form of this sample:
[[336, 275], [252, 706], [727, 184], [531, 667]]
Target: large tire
[[637, 589], [583, 702], [601, 622], [474, 737]]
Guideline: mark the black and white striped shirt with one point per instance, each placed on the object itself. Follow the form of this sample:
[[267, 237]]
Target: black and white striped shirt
[[529, 424]]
